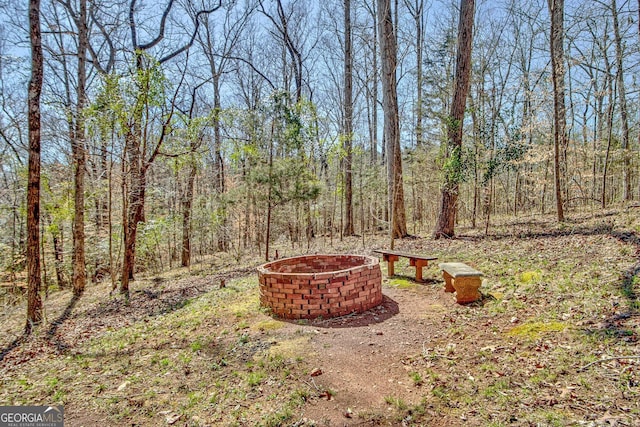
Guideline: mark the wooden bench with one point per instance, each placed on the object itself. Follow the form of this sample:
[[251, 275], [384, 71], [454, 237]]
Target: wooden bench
[[417, 261], [463, 280]]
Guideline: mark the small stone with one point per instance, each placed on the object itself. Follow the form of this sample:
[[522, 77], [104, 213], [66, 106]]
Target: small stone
[[316, 372], [172, 418]]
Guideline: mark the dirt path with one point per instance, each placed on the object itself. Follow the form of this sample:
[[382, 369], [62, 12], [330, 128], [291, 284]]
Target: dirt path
[[364, 358]]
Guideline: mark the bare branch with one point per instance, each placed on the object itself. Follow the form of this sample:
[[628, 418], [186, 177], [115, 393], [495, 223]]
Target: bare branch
[[193, 35]]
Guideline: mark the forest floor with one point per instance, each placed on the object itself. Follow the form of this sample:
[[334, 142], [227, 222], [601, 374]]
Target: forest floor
[[554, 341]]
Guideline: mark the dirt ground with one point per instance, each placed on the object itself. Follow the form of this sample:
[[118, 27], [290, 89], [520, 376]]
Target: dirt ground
[[364, 358]]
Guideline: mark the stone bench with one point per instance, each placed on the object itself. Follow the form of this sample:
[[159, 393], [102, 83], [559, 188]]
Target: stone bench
[[463, 280], [417, 261]]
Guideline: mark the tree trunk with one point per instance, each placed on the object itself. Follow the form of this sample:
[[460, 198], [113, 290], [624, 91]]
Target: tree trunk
[[187, 202], [348, 122], [638, 132], [269, 198], [135, 203], [622, 99], [388, 54], [445, 226], [219, 186], [374, 95], [34, 302], [417, 13], [79, 157], [57, 237], [556, 9], [605, 169]]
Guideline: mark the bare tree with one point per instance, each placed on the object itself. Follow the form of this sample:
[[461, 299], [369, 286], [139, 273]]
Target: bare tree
[[622, 100], [453, 168], [556, 10], [79, 153], [416, 10], [34, 303], [218, 47], [138, 162], [388, 54], [371, 82], [281, 20], [187, 196], [348, 122]]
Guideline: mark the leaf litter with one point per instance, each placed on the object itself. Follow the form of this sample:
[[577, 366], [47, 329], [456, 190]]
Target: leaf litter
[[554, 341]]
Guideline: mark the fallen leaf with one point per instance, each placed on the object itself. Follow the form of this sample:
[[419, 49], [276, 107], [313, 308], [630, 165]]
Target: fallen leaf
[[326, 395], [172, 418]]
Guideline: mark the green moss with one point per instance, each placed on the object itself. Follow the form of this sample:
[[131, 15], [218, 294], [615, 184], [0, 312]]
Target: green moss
[[401, 283], [535, 329], [529, 276]]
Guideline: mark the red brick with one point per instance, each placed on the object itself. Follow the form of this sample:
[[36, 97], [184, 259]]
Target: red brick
[[347, 303], [319, 312], [346, 288]]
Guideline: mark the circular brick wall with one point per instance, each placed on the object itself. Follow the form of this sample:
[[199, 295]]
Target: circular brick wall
[[311, 286]]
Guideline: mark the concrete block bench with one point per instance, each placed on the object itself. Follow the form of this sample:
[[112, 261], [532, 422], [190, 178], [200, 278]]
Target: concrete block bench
[[463, 280]]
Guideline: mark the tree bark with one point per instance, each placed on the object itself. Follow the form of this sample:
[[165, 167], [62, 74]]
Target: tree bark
[[388, 54], [34, 301], [417, 13], [374, 94], [556, 10], [348, 122], [58, 256], [218, 162], [622, 99], [79, 156], [187, 202], [445, 226]]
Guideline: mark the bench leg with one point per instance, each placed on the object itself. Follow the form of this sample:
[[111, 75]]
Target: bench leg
[[390, 260], [418, 264], [467, 289], [448, 285]]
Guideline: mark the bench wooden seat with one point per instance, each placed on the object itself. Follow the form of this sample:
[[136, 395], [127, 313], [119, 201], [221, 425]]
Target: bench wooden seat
[[463, 280], [417, 261]]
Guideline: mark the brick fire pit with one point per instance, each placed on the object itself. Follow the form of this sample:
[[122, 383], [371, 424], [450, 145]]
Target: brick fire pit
[[311, 286]]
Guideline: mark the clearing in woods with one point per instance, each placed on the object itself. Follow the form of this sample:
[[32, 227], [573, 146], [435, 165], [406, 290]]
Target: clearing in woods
[[554, 341]]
